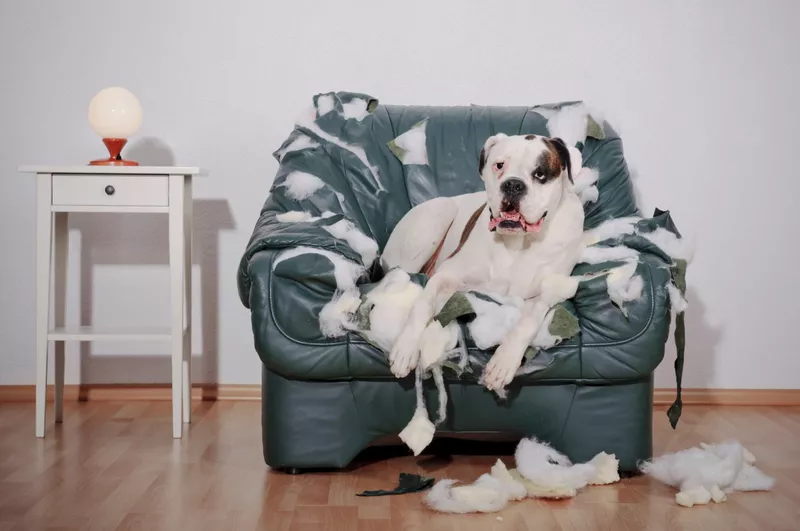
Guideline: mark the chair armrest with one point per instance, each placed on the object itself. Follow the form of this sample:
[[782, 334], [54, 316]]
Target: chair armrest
[[613, 346]]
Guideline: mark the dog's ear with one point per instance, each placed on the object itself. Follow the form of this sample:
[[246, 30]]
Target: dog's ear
[[487, 146], [563, 154]]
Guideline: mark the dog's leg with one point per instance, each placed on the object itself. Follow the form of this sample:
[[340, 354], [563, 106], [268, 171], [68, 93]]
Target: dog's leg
[[404, 356], [507, 358]]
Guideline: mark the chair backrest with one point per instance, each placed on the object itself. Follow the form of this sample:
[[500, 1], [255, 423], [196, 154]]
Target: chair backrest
[[356, 159]]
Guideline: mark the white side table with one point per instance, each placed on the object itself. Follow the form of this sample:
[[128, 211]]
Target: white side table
[[139, 189]]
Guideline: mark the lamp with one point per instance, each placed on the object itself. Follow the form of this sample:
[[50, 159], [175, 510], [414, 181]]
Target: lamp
[[115, 114]]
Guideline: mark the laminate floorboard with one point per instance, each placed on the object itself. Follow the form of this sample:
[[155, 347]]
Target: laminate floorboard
[[116, 466]]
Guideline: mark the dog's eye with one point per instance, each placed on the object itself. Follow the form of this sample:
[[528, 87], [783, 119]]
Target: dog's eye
[[538, 175], [499, 166]]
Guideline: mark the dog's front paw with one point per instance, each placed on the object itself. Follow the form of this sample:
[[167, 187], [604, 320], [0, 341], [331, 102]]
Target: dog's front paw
[[403, 357], [501, 367]]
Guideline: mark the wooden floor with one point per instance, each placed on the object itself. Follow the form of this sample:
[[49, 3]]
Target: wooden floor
[[115, 466]]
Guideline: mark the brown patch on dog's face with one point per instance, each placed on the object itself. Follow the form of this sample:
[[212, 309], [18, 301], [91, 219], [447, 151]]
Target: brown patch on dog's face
[[548, 166], [555, 159], [530, 137]]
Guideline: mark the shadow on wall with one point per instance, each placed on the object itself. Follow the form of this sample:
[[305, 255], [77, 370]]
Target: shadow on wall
[[143, 239], [637, 192], [150, 151], [702, 342]]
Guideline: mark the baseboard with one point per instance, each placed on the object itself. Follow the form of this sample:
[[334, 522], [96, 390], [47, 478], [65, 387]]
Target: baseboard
[[730, 397], [131, 392]]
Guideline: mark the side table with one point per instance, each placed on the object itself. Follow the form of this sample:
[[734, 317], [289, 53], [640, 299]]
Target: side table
[[132, 189]]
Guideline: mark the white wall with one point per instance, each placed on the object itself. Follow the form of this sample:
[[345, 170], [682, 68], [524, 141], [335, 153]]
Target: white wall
[[703, 93]]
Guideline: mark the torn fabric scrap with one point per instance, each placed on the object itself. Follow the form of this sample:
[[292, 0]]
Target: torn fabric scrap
[[410, 146], [407, 483]]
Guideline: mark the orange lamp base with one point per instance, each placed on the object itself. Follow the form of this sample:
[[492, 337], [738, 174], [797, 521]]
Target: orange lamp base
[[114, 146]]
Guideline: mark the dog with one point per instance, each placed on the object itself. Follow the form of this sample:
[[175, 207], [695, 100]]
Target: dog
[[521, 236]]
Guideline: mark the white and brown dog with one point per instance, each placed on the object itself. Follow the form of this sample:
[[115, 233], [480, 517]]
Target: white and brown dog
[[525, 244]]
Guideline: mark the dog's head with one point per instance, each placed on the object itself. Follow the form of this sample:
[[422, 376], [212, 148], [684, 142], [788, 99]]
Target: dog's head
[[525, 180]]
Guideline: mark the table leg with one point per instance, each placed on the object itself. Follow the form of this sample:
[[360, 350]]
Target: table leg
[[60, 304], [44, 231], [177, 272], [187, 344]]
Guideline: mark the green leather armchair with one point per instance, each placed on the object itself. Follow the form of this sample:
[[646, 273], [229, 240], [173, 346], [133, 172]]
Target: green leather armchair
[[326, 399]]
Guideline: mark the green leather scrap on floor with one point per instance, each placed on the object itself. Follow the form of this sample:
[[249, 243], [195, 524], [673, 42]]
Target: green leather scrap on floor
[[407, 483]]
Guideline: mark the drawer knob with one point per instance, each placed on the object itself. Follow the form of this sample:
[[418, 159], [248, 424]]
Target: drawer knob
[[110, 190]]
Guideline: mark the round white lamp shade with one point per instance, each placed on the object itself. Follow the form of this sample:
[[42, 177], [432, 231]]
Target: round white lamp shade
[[115, 112]]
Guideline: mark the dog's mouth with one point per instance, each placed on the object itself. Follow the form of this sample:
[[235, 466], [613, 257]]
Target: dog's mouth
[[513, 221]]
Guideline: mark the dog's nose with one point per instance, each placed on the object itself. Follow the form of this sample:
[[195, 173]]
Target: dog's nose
[[513, 188]]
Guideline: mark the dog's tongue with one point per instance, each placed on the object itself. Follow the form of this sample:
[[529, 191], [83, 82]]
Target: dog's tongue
[[514, 216]]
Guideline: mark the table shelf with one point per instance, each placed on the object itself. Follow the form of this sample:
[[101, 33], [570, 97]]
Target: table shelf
[[94, 333]]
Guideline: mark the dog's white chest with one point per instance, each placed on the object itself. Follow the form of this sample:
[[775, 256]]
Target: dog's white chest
[[512, 271]]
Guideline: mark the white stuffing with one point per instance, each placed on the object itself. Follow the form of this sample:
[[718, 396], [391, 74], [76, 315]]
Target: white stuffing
[[492, 322], [358, 241], [299, 216], [584, 185], [676, 299], [513, 488], [570, 122], [610, 229], [749, 458], [419, 432], [554, 492], [435, 341], [585, 178], [598, 255], [336, 317], [607, 466], [486, 495], [346, 272], [301, 185], [541, 472], [575, 160], [623, 286], [438, 379], [392, 300], [294, 216], [299, 143], [355, 109], [540, 464], [693, 496], [307, 121], [750, 479], [324, 104], [340, 198], [413, 144], [590, 195], [674, 247], [707, 472]]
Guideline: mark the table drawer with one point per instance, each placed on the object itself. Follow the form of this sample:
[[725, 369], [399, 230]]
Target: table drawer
[[111, 190]]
